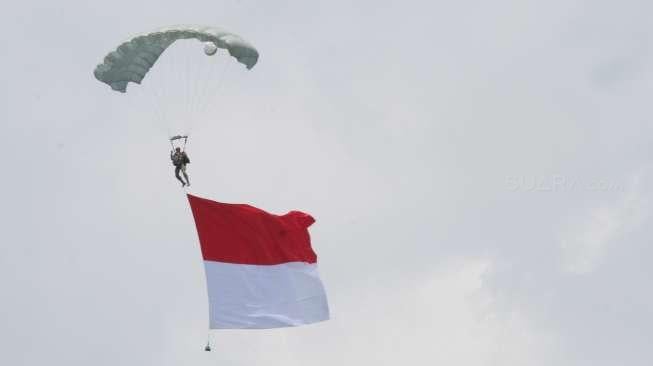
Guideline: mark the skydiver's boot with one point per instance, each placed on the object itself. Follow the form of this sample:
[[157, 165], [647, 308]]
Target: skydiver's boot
[[181, 180], [187, 180]]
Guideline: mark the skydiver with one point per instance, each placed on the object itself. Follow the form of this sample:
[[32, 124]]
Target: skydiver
[[179, 160]]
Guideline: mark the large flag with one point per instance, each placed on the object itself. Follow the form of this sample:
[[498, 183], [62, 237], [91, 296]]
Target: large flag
[[261, 271]]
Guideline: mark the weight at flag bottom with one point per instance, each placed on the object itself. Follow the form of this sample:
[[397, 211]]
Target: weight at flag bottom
[[261, 271]]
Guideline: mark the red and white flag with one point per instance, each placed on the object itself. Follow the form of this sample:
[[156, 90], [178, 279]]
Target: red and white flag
[[261, 271]]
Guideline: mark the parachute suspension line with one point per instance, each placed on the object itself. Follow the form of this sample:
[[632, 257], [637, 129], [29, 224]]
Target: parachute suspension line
[[161, 114], [141, 99], [160, 85], [200, 79], [206, 82], [186, 87], [176, 89], [193, 78], [208, 341], [221, 86], [154, 92], [153, 97], [172, 81], [213, 90], [204, 79]]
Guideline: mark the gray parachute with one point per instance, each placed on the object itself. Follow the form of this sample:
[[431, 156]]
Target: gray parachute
[[132, 59]]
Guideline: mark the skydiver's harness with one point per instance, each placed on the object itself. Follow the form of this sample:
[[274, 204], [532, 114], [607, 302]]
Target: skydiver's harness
[[179, 159]]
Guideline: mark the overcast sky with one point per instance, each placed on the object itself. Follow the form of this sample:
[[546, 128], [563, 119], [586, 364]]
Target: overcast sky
[[480, 172]]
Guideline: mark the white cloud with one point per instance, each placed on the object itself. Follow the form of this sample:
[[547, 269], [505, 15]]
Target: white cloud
[[584, 249]]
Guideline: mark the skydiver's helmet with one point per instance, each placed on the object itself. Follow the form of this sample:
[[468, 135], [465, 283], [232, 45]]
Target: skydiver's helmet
[[177, 149]]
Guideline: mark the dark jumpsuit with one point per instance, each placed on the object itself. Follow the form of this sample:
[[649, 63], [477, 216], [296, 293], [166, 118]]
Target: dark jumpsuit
[[179, 160]]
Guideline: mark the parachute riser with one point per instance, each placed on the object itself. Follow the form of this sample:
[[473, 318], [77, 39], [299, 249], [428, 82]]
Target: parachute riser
[[176, 138]]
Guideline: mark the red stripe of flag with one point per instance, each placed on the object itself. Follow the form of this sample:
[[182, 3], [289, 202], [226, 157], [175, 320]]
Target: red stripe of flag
[[243, 234]]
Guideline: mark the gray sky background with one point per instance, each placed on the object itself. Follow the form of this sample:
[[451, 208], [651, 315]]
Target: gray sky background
[[480, 173]]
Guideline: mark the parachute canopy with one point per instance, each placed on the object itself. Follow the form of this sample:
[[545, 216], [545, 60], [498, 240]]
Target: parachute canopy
[[132, 59]]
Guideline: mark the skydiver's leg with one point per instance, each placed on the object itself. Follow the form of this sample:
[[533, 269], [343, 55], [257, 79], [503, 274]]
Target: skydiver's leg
[[177, 169], [183, 170]]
